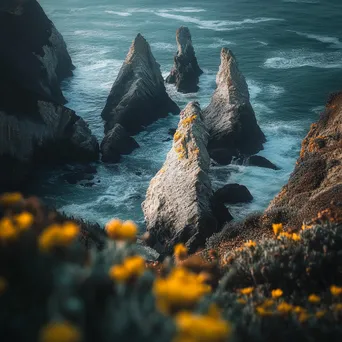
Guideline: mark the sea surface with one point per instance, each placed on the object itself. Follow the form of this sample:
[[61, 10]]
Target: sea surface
[[290, 52]]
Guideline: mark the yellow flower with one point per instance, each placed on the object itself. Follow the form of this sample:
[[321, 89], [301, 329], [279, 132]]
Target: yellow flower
[[277, 228], [118, 230], [303, 317], [60, 332], [268, 303], [250, 243], [299, 309], [337, 307], [10, 198], [131, 268], [180, 289], [305, 227], [193, 327], [24, 220], [3, 285], [335, 290], [70, 231], [263, 312], [277, 293], [314, 299], [296, 237], [246, 290], [284, 307], [180, 251], [7, 230], [320, 314], [241, 301]]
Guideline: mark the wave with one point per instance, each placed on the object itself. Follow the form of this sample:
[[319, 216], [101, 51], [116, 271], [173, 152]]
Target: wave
[[122, 14], [215, 25], [185, 10], [164, 46], [334, 41], [220, 43], [300, 58]]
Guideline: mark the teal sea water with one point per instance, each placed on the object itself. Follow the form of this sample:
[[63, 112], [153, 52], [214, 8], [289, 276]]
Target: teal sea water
[[290, 52]]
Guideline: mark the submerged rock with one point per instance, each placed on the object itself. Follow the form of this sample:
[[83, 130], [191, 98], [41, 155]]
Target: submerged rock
[[117, 142], [138, 96], [230, 118], [315, 186], [261, 162], [186, 71], [233, 193], [179, 201]]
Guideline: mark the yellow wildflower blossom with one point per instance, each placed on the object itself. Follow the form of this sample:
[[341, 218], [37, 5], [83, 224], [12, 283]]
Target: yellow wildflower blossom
[[131, 268], [299, 309], [70, 231], [241, 301], [314, 299], [193, 327], [60, 332], [180, 289], [24, 220], [180, 251], [246, 290], [295, 237], [277, 228], [250, 243], [305, 227], [284, 307], [7, 230], [268, 303], [336, 290], [320, 314], [10, 198], [118, 230], [303, 317], [337, 307], [277, 293], [3, 285], [263, 312]]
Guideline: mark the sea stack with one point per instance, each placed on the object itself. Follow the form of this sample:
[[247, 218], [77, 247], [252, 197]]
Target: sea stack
[[230, 118], [314, 189], [179, 201], [138, 96], [186, 71], [35, 127]]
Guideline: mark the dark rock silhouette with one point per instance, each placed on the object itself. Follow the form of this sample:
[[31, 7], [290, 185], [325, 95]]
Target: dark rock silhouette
[[186, 71], [233, 193], [261, 162]]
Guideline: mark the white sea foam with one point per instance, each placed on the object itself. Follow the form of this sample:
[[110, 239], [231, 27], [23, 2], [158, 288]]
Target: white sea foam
[[334, 41], [185, 10], [121, 14], [303, 58], [164, 46], [219, 43]]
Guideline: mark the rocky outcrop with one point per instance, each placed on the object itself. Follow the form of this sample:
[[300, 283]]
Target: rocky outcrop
[[33, 53], [233, 193], [230, 118], [179, 201], [315, 186], [260, 162], [138, 96], [35, 127], [186, 71], [117, 142]]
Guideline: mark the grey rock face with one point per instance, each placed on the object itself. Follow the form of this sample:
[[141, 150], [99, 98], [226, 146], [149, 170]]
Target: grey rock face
[[186, 71], [138, 96], [178, 204], [117, 142], [230, 118]]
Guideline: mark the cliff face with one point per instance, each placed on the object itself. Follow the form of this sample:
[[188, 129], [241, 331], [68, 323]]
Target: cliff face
[[33, 53], [178, 205], [35, 126], [186, 71], [230, 118], [138, 96], [316, 182]]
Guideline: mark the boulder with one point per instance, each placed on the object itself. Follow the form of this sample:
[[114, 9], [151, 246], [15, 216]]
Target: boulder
[[233, 193], [260, 162], [314, 189], [179, 201], [186, 71], [230, 118], [222, 156], [138, 96], [117, 142]]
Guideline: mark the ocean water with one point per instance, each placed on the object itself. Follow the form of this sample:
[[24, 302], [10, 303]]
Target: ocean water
[[290, 52]]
